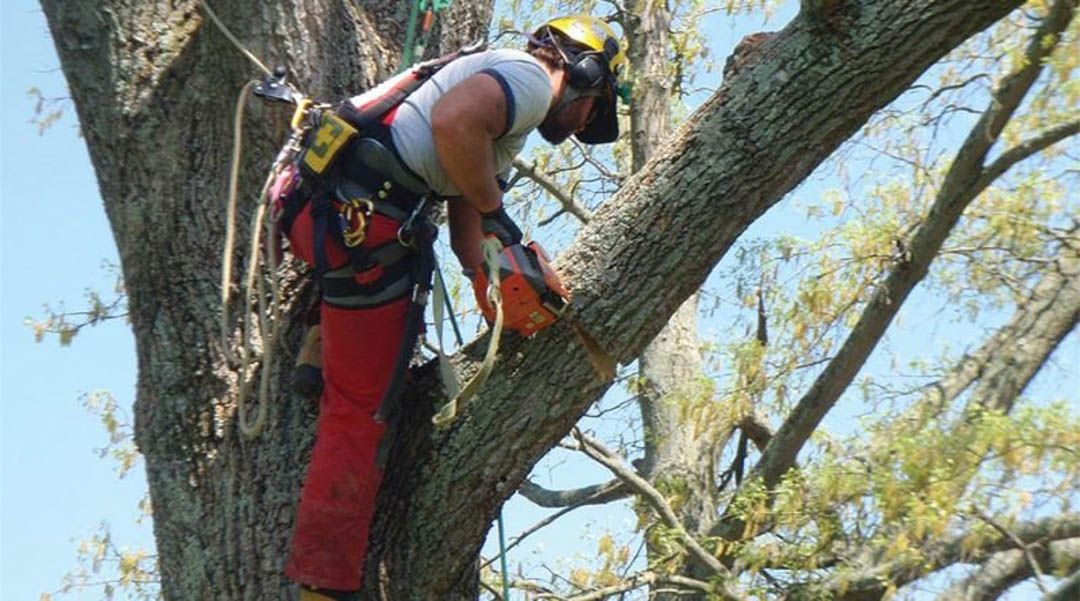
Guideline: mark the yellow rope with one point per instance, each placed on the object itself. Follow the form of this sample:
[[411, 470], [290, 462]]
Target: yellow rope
[[492, 249]]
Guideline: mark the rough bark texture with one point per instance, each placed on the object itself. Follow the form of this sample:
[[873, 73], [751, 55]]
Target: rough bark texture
[[1003, 570], [154, 85], [870, 583]]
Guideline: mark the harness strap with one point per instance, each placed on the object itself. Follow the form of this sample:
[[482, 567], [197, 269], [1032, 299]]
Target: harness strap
[[389, 407], [396, 206], [343, 290], [320, 215]]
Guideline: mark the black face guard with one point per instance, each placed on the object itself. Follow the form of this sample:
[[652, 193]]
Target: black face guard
[[603, 128]]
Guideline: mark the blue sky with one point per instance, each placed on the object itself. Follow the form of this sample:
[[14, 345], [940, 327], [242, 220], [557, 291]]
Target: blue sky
[[54, 240]]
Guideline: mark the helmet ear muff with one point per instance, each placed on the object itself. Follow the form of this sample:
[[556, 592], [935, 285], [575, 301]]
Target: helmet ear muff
[[587, 71]]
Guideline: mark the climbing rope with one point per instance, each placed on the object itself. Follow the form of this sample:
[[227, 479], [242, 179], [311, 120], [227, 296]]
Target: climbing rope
[[268, 317], [232, 38], [413, 49]]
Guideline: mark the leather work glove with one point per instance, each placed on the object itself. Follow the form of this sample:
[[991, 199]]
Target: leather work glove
[[498, 224]]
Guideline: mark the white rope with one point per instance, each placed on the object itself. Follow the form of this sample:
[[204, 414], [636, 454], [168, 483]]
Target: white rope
[[230, 221], [253, 284]]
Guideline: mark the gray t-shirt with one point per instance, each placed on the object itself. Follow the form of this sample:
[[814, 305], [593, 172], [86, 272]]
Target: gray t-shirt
[[528, 96]]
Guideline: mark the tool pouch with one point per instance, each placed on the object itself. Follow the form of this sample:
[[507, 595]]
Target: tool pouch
[[326, 143]]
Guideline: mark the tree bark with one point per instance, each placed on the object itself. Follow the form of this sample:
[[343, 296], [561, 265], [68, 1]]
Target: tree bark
[[154, 84], [1003, 570]]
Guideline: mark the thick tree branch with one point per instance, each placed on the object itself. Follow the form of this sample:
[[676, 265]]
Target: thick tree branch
[[1026, 149], [819, 9], [1002, 570], [757, 431], [960, 187], [1068, 591], [597, 494], [1024, 548], [869, 582]]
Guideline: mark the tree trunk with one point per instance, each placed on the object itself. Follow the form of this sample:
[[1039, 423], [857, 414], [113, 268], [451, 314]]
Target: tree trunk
[[678, 453], [154, 85]]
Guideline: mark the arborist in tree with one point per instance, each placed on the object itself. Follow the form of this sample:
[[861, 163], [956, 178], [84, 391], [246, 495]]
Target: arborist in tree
[[356, 208]]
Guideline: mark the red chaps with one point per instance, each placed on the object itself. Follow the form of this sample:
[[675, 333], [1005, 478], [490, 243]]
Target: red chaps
[[360, 351]]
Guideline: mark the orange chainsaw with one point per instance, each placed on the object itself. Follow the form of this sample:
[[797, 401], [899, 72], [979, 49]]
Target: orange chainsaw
[[533, 297]]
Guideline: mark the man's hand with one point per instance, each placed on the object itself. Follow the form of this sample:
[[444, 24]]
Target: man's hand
[[497, 223]]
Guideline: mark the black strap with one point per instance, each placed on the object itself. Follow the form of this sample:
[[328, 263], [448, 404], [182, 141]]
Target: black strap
[[321, 208], [421, 276], [389, 411]]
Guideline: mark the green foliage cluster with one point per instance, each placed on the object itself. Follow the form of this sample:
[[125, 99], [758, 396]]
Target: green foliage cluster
[[116, 572], [914, 473]]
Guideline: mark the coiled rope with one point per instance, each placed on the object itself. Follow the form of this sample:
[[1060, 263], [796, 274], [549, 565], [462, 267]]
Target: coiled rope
[[268, 325]]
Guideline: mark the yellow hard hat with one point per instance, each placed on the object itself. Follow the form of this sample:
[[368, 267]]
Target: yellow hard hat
[[592, 33], [593, 63]]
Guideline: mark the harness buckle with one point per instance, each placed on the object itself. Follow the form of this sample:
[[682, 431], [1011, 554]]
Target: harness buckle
[[303, 105]]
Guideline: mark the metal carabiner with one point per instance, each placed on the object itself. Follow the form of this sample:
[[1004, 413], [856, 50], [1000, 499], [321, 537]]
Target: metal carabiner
[[360, 209], [302, 107], [406, 228]]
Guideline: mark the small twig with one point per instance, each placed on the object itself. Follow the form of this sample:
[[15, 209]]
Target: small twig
[[596, 450], [1019, 545], [548, 520], [551, 187], [642, 579], [586, 154]]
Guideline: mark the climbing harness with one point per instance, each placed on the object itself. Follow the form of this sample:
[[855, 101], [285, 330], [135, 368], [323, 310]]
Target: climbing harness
[[304, 168], [321, 135]]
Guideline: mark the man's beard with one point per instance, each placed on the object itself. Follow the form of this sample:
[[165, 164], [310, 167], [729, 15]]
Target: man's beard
[[556, 127], [559, 124]]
